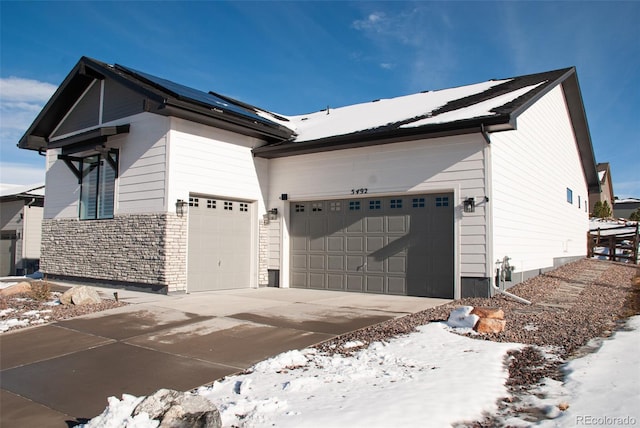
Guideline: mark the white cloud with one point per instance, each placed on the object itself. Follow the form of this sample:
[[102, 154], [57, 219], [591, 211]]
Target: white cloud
[[20, 102], [22, 174], [414, 39], [375, 21], [25, 90]]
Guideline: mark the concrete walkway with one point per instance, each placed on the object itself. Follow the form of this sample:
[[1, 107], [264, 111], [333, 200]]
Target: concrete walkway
[[60, 374]]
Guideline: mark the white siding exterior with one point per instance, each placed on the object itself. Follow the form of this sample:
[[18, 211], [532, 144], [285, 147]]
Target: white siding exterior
[[62, 193], [211, 161], [141, 185], [531, 170], [445, 164], [32, 233]]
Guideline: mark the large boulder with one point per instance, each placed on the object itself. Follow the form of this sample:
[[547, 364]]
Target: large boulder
[[482, 320], [495, 313], [157, 404], [80, 295], [490, 325], [180, 410], [19, 288]]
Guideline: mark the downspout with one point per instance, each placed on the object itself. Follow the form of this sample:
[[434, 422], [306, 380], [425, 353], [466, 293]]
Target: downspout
[[506, 293], [489, 219]]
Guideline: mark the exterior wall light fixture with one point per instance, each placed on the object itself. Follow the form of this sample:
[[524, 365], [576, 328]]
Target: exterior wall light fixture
[[181, 207], [469, 205], [272, 214]]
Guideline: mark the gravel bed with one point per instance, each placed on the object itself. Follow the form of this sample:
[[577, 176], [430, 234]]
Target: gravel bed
[[554, 335], [30, 311], [595, 313]]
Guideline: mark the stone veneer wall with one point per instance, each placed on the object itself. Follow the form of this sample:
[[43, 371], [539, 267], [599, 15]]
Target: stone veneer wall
[[140, 249], [263, 254]]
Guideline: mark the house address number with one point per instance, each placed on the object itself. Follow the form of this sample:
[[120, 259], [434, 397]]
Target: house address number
[[360, 191]]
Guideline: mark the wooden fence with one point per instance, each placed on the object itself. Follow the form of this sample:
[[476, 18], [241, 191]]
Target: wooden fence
[[619, 243]]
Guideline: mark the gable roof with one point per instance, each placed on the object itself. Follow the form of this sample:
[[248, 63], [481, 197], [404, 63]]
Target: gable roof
[[161, 97], [489, 106]]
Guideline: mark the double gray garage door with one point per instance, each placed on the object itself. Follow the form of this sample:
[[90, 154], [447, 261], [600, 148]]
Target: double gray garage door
[[392, 245]]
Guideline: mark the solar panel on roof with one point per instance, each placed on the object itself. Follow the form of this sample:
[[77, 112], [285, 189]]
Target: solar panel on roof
[[204, 98]]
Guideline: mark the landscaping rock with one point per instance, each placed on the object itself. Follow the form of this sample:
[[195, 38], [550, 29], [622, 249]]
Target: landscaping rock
[[490, 325], [19, 288], [80, 295], [191, 411], [176, 409], [157, 404], [495, 313]]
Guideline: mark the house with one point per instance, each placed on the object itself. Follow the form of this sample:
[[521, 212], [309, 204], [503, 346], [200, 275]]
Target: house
[[156, 185], [623, 208], [20, 224], [606, 187]]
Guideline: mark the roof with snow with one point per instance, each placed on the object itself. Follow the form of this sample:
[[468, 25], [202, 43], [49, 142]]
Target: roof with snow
[[491, 106], [627, 201], [21, 191], [485, 107]]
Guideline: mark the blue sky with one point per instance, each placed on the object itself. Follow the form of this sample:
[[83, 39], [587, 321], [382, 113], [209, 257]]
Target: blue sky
[[299, 57]]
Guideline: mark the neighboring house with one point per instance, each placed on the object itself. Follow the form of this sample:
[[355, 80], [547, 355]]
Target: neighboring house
[[605, 193], [20, 228], [623, 208], [154, 184]]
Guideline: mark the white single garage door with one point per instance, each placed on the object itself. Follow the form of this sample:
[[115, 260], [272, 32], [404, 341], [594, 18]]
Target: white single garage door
[[219, 250], [392, 245]]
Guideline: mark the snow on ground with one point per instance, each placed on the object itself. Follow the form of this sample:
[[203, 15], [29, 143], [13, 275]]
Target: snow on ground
[[609, 227], [432, 375], [429, 378], [601, 388], [8, 317]]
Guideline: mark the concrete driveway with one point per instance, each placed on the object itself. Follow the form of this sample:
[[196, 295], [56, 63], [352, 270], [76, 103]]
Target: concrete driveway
[[62, 373]]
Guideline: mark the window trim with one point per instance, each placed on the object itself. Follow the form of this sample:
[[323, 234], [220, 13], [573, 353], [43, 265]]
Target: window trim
[[111, 158]]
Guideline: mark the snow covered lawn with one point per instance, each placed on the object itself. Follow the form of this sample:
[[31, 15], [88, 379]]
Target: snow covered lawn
[[429, 378], [432, 378], [603, 388]]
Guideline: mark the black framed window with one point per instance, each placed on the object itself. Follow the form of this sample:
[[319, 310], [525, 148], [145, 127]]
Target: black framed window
[[97, 186]]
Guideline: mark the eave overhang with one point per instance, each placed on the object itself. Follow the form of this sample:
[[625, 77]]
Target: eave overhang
[[385, 136], [575, 105], [158, 101], [88, 140], [224, 120], [504, 119]]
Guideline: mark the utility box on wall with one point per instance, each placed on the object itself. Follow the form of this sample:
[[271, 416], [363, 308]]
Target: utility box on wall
[[274, 278], [474, 287]]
